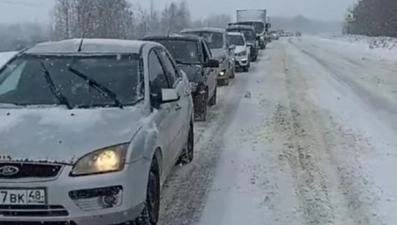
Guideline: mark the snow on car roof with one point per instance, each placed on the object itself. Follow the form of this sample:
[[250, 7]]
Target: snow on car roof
[[89, 46], [203, 29], [235, 33]]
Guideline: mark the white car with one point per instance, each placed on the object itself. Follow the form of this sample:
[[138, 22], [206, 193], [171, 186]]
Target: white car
[[91, 131], [242, 51]]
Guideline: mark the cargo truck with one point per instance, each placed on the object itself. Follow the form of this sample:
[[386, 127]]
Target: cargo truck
[[258, 19]]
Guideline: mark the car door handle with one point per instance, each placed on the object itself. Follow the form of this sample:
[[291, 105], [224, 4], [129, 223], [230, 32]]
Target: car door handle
[[178, 107]]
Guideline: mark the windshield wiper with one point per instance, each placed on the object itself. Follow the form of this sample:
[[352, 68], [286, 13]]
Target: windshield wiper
[[97, 86], [58, 94]]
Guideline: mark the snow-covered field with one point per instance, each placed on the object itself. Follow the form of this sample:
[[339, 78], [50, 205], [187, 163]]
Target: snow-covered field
[[308, 137], [383, 47], [5, 56]]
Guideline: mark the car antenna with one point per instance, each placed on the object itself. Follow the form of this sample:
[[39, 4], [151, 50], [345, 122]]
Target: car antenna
[[84, 30]]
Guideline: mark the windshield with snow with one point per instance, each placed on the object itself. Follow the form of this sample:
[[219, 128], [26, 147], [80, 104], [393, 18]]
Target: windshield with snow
[[236, 40], [185, 52], [24, 80]]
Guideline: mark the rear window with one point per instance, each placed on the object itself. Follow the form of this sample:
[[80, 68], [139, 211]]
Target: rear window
[[214, 39]]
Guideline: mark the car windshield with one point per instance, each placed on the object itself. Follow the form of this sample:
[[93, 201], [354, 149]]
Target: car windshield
[[249, 35], [214, 39], [23, 81], [236, 40], [259, 26], [183, 51]]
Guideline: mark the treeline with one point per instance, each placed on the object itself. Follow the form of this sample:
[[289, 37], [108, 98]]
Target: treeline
[[104, 19], [374, 18]]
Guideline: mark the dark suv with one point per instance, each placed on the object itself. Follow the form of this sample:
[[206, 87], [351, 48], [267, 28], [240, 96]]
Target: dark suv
[[194, 57], [250, 37]]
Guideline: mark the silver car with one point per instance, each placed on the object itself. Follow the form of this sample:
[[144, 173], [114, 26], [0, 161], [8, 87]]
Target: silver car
[[221, 49], [89, 132]]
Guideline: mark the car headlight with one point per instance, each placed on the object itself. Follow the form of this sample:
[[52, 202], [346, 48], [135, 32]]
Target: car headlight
[[222, 73], [106, 160], [243, 53]]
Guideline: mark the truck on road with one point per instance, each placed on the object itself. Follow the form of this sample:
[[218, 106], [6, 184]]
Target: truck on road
[[258, 19]]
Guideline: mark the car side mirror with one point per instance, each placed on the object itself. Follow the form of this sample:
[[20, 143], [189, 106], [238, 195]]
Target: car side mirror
[[164, 96], [169, 95], [232, 47], [212, 63]]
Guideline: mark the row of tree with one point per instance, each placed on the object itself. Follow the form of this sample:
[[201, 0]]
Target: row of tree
[[374, 18], [119, 19], [103, 19]]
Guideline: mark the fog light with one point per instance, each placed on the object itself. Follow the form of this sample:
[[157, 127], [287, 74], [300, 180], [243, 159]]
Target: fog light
[[109, 200], [97, 198]]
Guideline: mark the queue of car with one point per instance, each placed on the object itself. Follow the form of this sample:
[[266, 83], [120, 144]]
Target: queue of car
[[91, 128]]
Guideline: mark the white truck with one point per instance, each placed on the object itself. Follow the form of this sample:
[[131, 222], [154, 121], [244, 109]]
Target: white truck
[[258, 19]]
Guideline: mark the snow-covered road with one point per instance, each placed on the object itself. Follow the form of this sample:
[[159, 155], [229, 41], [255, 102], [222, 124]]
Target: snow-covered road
[[308, 137]]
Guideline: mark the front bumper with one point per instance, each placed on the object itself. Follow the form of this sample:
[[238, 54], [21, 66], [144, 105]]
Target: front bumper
[[82, 208], [242, 61]]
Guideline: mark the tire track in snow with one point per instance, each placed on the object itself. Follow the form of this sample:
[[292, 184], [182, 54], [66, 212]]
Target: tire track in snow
[[355, 186], [185, 192]]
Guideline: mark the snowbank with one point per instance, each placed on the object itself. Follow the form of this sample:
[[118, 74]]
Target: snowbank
[[386, 43], [5, 56]]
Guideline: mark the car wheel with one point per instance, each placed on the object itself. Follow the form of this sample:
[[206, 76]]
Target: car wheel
[[187, 154], [150, 213], [212, 101], [200, 108], [232, 73]]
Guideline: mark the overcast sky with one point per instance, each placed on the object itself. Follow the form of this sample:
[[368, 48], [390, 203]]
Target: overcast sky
[[38, 10]]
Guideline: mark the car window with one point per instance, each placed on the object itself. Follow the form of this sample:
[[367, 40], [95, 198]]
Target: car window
[[205, 52], [24, 80], [170, 70], [156, 74], [11, 82]]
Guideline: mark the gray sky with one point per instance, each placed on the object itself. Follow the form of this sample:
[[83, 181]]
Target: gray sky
[[38, 10]]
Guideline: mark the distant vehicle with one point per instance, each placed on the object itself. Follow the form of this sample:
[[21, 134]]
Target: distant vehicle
[[249, 35], [220, 49], [193, 56], [242, 52], [258, 19], [107, 124], [274, 35], [298, 34]]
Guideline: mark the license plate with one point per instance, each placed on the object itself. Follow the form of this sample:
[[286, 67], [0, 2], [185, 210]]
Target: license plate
[[22, 197]]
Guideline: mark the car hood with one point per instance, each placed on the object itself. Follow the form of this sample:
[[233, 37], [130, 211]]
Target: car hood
[[193, 72], [218, 53], [63, 136], [239, 49]]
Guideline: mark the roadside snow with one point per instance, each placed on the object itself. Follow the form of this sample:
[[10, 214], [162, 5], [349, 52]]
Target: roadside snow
[[382, 48], [5, 56]]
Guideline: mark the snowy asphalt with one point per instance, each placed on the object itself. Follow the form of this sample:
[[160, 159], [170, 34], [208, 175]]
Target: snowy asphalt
[[308, 137]]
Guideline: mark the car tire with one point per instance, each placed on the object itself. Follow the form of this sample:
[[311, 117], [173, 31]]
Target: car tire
[[202, 102], [187, 153], [151, 211], [212, 101], [232, 73]]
